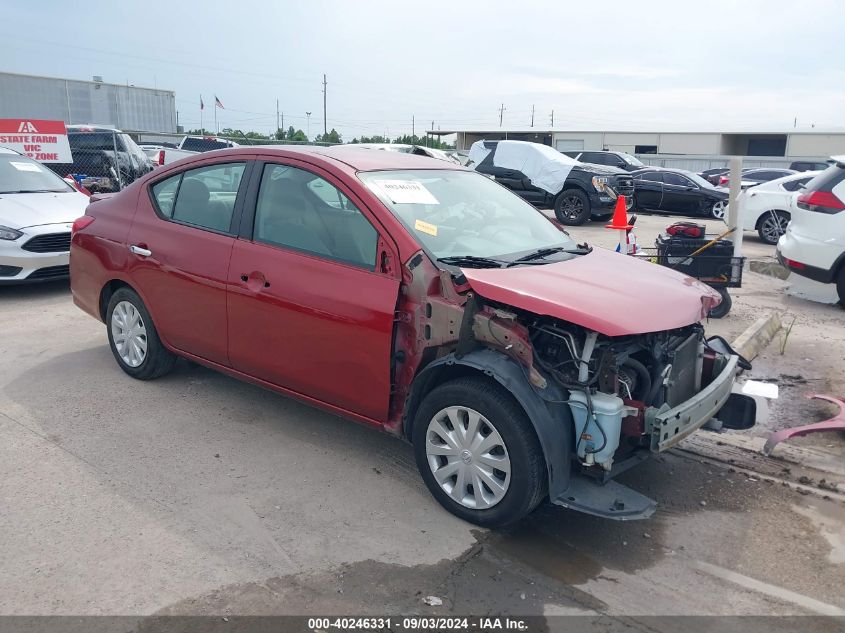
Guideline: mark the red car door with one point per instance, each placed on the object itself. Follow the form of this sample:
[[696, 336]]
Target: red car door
[[181, 242], [309, 309]]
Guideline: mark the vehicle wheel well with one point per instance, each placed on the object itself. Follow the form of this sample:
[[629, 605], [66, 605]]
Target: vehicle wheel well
[[106, 294], [437, 377], [763, 215], [569, 186]]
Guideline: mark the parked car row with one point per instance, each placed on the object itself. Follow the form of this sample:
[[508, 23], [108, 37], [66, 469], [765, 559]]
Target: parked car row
[[544, 177]]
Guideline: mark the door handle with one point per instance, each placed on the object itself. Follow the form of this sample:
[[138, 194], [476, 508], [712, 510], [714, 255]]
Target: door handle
[[140, 250], [258, 277]]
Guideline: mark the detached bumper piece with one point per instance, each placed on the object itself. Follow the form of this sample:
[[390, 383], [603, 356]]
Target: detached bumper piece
[[611, 500], [836, 423], [672, 426]]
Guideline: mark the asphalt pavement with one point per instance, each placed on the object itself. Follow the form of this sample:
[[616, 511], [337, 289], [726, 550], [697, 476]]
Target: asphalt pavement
[[197, 493]]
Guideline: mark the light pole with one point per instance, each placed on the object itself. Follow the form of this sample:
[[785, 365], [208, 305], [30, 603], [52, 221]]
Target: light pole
[[308, 116]]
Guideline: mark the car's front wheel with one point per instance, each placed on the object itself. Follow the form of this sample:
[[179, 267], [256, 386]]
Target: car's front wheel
[[133, 338], [772, 225], [478, 453], [572, 207], [840, 287]]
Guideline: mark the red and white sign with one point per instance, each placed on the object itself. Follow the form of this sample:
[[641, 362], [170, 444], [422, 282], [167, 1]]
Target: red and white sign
[[44, 141]]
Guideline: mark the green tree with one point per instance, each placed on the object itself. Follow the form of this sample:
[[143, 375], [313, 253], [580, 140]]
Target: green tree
[[330, 137]]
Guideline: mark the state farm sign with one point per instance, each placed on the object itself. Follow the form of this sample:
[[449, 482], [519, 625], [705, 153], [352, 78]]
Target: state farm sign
[[44, 141]]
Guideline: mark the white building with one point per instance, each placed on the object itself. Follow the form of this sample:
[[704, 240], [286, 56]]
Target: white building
[[690, 150], [96, 102]]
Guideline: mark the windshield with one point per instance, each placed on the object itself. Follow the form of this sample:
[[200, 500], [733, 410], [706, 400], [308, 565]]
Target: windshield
[[19, 174], [95, 140], [460, 213], [632, 160]]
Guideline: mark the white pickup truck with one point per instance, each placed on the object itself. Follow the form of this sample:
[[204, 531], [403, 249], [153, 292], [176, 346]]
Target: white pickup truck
[[164, 154]]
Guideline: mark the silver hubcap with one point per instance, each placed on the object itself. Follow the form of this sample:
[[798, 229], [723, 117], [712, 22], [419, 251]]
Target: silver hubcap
[[773, 226], [719, 210], [129, 334], [468, 457]]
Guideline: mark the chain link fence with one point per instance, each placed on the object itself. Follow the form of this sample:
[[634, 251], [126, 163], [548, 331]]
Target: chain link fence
[[106, 160]]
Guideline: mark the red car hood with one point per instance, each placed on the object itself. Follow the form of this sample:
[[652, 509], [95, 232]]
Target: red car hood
[[613, 294]]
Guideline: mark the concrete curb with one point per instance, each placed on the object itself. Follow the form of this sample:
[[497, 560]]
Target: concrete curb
[[755, 338]]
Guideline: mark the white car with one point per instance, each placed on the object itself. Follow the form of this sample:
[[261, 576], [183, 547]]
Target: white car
[[37, 210], [814, 243], [767, 206]]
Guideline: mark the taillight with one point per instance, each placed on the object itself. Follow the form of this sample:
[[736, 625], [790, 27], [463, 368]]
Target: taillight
[[820, 202], [723, 180], [791, 263], [79, 224], [161, 157]]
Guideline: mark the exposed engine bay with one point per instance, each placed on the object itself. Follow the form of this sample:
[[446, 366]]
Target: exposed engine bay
[[615, 382]]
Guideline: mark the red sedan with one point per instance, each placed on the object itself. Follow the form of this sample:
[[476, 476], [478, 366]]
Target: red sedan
[[415, 296]]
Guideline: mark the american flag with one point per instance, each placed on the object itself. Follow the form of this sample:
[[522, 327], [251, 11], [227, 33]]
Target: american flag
[[217, 102], [202, 105]]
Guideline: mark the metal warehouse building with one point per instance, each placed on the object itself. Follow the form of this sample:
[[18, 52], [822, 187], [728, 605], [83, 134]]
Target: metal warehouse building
[[74, 102], [690, 150]]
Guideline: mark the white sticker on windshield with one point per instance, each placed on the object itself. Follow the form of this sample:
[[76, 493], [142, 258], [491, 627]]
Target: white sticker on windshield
[[25, 166], [406, 192]]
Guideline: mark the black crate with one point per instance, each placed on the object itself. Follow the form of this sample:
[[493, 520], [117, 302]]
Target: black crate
[[719, 271]]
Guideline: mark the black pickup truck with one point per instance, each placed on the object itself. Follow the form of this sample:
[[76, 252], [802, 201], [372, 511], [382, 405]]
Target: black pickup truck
[[546, 178]]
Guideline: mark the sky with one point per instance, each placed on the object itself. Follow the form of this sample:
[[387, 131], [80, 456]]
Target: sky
[[646, 65]]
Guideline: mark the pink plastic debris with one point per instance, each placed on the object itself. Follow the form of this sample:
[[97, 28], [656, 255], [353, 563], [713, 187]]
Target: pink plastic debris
[[836, 423]]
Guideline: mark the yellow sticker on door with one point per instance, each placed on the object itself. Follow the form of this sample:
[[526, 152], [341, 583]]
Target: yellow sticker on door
[[425, 227]]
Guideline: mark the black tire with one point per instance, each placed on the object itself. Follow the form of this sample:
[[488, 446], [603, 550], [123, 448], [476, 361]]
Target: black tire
[[158, 360], [723, 308], [528, 482], [840, 286], [572, 207], [772, 225]]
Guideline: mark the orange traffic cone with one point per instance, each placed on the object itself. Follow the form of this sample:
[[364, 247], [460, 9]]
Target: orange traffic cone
[[620, 217]]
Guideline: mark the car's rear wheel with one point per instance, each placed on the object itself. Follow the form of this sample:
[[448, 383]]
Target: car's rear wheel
[[572, 207], [719, 209], [840, 286], [133, 338], [478, 453], [772, 225]]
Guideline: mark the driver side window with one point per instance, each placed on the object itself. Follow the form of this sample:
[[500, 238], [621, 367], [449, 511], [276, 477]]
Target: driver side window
[[297, 209]]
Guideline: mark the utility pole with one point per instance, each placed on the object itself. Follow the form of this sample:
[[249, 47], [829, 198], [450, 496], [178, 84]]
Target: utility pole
[[325, 130], [532, 115], [308, 116], [413, 129], [553, 118], [501, 114], [277, 116]]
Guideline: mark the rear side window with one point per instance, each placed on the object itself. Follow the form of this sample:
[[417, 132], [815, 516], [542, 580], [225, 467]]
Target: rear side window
[[795, 185], [203, 197], [203, 144], [653, 176]]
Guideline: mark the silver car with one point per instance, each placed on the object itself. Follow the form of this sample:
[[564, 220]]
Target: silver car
[[37, 210]]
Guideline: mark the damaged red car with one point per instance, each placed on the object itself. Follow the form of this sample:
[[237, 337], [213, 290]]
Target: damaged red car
[[418, 297]]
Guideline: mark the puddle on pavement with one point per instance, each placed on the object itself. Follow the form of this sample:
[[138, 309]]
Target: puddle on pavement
[[829, 520], [546, 553]]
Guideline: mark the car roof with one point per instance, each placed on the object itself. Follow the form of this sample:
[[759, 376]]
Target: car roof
[[674, 170], [348, 157], [6, 150]]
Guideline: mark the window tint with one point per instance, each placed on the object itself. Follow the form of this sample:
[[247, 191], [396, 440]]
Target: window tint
[[204, 197], [671, 178], [299, 210], [593, 157], [652, 176], [203, 144]]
